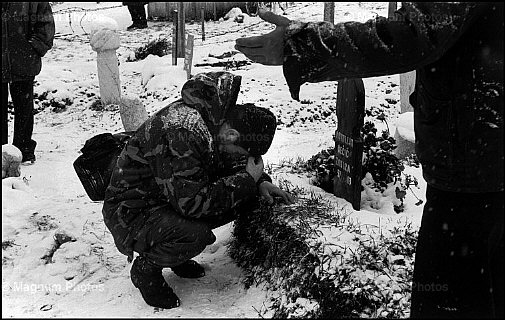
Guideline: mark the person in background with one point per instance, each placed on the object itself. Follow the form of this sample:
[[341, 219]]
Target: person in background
[[457, 52], [27, 34], [191, 167], [138, 15]]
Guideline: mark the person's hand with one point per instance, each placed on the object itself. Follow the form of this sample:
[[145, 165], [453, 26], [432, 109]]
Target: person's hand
[[255, 167], [268, 48], [268, 190]]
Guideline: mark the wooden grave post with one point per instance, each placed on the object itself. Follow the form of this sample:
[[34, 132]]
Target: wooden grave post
[[181, 32], [348, 141], [203, 23], [175, 40], [329, 11], [188, 56], [391, 9]]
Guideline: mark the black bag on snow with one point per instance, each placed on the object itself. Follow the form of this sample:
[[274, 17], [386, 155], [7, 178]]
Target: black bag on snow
[[95, 165]]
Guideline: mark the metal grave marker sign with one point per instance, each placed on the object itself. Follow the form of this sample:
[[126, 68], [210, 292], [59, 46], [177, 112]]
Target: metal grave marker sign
[[188, 54], [348, 142]]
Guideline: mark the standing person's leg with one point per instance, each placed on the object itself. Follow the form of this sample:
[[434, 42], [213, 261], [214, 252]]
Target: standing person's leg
[[22, 98], [133, 14], [456, 255], [138, 15], [142, 17], [5, 113]]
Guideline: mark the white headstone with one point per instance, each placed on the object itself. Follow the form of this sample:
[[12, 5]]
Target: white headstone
[[407, 86], [133, 113]]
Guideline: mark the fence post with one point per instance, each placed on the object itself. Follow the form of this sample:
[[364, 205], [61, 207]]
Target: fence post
[[329, 11], [175, 35], [391, 9], [203, 24], [181, 31]]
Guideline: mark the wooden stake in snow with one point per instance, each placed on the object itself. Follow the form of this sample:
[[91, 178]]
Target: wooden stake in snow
[[175, 40], [329, 11], [105, 41], [203, 23], [391, 9], [181, 30]]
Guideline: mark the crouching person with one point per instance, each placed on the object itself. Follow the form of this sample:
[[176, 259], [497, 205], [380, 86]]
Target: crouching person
[[191, 167]]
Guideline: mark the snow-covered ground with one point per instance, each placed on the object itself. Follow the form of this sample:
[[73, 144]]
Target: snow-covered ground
[[89, 277]]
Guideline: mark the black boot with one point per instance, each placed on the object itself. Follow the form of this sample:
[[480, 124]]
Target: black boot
[[147, 277], [189, 269]]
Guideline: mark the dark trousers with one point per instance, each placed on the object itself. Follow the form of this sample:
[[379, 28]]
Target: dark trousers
[[22, 98], [138, 14], [169, 239], [458, 271]]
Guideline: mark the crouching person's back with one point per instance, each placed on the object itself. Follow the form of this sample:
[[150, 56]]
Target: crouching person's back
[[187, 170]]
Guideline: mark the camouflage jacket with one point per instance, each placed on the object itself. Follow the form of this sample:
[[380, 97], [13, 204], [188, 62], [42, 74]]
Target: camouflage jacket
[[172, 161], [457, 52]]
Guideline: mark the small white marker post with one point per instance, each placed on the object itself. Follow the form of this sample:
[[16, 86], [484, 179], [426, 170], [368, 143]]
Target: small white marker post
[[188, 54]]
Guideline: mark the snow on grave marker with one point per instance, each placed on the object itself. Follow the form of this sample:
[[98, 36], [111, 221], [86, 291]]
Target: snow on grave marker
[[105, 41], [348, 142], [188, 54]]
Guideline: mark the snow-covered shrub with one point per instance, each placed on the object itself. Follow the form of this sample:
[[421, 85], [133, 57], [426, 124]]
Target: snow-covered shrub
[[97, 105], [382, 172], [47, 97], [312, 275], [158, 47]]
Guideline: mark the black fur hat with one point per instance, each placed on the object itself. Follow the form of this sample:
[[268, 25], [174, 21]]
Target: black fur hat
[[256, 126]]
